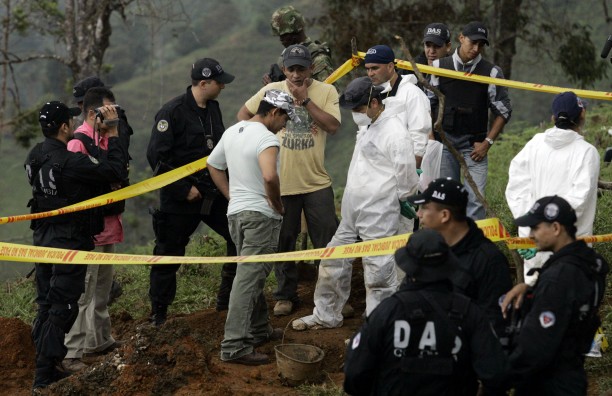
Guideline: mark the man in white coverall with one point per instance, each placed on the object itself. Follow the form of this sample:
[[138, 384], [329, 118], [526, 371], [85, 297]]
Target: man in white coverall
[[416, 115], [556, 162], [382, 174]]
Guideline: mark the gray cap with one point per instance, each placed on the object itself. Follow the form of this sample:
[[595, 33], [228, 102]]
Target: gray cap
[[283, 101], [296, 54], [358, 93]]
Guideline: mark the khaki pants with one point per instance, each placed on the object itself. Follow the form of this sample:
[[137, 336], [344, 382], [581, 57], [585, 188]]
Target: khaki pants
[[91, 332], [247, 320]]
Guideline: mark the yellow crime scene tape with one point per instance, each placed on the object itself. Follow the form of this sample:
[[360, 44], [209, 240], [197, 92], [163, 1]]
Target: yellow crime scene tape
[[144, 186], [492, 228], [525, 243], [402, 64]]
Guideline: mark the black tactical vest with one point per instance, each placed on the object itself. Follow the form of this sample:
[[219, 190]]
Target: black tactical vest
[[466, 111], [49, 192]]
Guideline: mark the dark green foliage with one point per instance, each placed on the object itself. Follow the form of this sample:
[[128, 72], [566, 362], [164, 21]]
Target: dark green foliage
[[378, 22], [579, 59]]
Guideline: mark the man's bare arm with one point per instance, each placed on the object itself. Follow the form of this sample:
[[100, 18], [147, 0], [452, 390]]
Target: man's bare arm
[[244, 114], [219, 177], [267, 163]]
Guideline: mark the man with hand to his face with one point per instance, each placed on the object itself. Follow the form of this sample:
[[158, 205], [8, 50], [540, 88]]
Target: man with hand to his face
[[305, 183]]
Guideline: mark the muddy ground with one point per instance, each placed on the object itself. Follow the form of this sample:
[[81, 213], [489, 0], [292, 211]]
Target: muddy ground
[[182, 357]]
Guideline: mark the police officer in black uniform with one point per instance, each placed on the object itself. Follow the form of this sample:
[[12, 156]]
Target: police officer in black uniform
[[425, 338], [559, 314], [186, 129], [60, 178], [484, 273]]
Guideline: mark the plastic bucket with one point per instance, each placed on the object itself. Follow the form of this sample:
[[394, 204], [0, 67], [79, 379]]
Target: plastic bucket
[[299, 363]]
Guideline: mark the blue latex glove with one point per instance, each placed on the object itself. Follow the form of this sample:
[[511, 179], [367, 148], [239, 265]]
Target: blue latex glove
[[527, 254], [419, 171], [407, 210]]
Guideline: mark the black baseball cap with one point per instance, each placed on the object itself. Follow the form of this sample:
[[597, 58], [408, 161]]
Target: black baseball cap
[[437, 33], [80, 89], [445, 191], [548, 209], [53, 114], [357, 93], [476, 31], [210, 69], [426, 257], [296, 54]]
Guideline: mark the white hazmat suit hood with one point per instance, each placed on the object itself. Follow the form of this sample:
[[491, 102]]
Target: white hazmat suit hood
[[558, 161]]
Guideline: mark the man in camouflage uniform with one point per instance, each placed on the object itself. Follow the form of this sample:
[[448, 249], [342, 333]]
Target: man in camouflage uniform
[[288, 24]]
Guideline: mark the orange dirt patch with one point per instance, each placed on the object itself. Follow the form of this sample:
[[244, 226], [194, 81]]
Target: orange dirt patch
[[181, 357]]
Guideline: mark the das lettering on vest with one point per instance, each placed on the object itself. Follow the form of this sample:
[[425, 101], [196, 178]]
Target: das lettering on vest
[[427, 340]]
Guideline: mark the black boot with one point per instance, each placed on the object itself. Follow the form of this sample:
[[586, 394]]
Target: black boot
[[158, 314], [228, 273], [115, 292], [224, 293], [48, 372]]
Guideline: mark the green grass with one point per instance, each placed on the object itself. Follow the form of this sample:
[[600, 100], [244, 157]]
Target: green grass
[[197, 284], [320, 390]]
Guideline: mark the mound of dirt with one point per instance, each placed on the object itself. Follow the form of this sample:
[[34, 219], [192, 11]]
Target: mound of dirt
[[17, 351], [181, 357]]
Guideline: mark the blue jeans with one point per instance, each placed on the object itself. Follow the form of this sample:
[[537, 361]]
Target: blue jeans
[[247, 317], [450, 168]]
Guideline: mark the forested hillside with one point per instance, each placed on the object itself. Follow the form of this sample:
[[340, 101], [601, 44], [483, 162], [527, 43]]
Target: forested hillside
[[149, 59]]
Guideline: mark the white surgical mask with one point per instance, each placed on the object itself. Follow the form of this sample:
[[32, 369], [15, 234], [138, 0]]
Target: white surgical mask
[[386, 87], [361, 119]]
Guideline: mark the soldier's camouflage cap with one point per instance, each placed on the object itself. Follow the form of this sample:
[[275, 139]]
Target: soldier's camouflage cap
[[283, 101], [286, 20]]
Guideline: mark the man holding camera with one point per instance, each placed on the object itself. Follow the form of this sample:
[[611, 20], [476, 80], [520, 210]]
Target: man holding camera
[[186, 129], [91, 333]]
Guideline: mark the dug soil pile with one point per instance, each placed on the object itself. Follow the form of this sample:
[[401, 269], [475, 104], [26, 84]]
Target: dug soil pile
[[181, 357]]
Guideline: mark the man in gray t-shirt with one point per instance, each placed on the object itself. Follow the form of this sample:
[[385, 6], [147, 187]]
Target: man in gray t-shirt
[[249, 151]]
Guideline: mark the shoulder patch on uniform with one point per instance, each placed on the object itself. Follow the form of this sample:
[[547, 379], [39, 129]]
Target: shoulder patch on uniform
[[94, 160], [547, 319], [162, 126], [356, 340]]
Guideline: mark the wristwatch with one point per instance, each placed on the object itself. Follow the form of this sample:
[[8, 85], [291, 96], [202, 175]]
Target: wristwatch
[[305, 102], [490, 141]]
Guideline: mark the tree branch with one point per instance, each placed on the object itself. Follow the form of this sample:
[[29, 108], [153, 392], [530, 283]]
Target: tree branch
[[604, 185], [518, 261], [16, 59]]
